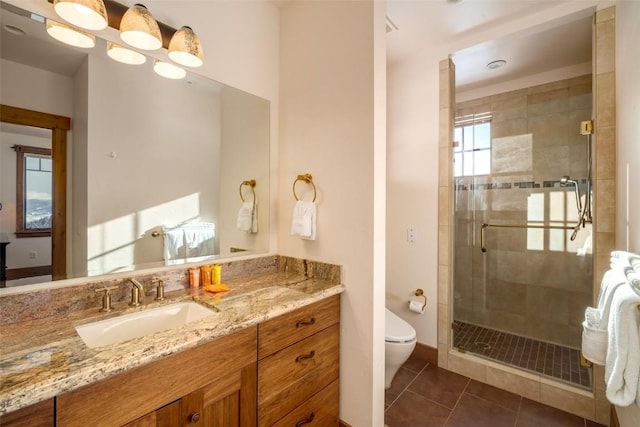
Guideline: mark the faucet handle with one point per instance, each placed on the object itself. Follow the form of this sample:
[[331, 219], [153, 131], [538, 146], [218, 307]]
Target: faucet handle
[[159, 289], [106, 298]]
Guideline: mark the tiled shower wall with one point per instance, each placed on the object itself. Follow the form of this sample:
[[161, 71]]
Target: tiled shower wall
[[530, 282]]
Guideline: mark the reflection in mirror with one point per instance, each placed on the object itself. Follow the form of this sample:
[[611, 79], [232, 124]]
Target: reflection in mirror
[[146, 155]]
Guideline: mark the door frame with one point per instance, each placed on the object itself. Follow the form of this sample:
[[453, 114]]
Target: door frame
[[59, 125]]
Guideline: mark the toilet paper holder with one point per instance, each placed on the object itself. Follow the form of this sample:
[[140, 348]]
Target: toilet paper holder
[[420, 293]]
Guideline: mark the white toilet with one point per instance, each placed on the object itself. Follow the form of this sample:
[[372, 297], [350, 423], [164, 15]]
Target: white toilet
[[399, 342]]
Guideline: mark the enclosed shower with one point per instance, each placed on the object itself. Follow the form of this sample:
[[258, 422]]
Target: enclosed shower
[[523, 227]]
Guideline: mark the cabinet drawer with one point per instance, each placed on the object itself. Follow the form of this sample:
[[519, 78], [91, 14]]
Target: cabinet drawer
[[282, 331], [292, 375], [36, 415], [321, 410]]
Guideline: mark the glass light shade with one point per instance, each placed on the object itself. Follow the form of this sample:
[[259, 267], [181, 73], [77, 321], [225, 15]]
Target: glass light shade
[[87, 14], [169, 71], [185, 48], [69, 35], [139, 29], [124, 55]]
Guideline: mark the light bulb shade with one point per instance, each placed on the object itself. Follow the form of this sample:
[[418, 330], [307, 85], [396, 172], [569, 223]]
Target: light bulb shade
[[185, 48], [139, 29], [124, 55], [87, 14], [168, 71], [69, 35]]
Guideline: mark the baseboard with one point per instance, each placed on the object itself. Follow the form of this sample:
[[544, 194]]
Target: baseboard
[[22, 273], [343, 424], [425, 352]]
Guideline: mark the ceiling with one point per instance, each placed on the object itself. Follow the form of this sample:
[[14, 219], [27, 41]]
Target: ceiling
[[425, 24], [421, 25], [35, 48]]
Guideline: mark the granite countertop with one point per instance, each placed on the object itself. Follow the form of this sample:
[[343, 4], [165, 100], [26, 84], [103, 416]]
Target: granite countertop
[[43, 358]]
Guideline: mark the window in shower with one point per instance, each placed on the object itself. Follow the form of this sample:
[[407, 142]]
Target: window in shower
[[472, 145]]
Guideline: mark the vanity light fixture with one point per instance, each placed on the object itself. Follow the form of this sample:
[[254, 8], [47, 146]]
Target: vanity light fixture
[[124, 55], [69, 35], [185, 48], [168, 71], [87, 14], [139, 28]]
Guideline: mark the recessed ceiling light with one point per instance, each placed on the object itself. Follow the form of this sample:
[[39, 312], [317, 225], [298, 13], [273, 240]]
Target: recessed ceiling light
[[14, 30], [454, 1], [496, 64]]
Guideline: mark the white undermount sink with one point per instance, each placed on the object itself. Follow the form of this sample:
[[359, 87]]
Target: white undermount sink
[[141, 323]]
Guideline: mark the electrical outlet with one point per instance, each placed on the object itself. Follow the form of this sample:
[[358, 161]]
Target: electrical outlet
[[411, 235], [33, 254]]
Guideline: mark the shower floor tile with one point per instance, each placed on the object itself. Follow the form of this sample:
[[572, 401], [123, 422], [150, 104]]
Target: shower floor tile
[[552, 360]]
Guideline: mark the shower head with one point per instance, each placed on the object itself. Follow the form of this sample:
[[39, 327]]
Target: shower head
[[564, 180]]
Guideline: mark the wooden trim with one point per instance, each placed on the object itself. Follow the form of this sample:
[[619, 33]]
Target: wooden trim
[[59, 222], [59, 126], [21, 273], [39, 233], [21, 116]]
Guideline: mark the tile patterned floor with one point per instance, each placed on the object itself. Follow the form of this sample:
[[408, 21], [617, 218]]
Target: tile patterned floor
[[427, 396], [551, 360]]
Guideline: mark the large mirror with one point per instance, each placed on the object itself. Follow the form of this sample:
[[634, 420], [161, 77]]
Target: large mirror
[[147, 157]]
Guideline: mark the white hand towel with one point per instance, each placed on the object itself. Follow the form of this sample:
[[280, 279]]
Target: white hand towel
[[246, 218], [174, 247], [612, 280], [199, 239], [622, 369], [303, 223]]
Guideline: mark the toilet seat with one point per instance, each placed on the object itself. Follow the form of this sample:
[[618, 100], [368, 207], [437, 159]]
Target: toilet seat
[[397, 330]]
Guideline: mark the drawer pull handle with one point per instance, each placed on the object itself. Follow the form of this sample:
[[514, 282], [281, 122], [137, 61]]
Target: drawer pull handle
[[194, 418], [307, 420], [305, 356], [309, 322]]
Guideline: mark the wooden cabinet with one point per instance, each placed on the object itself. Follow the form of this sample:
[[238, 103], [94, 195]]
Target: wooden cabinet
[[37, 415], [298, 367], [211, 385]]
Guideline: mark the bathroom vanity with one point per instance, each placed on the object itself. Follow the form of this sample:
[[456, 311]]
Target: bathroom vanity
[[269, 356]]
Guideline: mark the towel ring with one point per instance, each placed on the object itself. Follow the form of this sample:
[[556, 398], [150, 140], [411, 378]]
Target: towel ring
[[251, 183], [309, 180]]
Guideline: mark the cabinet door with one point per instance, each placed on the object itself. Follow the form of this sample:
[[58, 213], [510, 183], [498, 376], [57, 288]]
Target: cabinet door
[[229, 402]]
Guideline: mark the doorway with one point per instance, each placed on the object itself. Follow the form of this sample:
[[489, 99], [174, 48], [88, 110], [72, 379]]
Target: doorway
[[59, 125]]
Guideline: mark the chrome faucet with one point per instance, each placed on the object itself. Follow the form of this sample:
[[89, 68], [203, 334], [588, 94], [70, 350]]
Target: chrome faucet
[[137, 292]]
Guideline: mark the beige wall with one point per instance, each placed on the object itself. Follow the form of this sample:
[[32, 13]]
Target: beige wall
[[332, 126]]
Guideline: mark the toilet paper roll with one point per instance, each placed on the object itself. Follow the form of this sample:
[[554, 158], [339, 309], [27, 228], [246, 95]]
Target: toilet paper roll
[[417, 306]]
